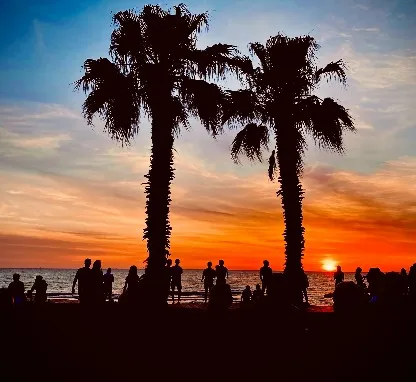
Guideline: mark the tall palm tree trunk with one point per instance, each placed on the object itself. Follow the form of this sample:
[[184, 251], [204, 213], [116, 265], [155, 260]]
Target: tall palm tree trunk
[[160, 176], [292, 196]]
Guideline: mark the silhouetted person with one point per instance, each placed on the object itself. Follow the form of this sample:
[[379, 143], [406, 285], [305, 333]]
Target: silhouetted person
[[338, 276], [359, 278], [221, 297], [221, 272], [208, 276], [176, 280], [131, 285], [375, 284], [40, 286], [108, 285], [265, 275], [246, 295], [348, 298], [17, 290], [83, 277], [411, 280], [393, 297], [258, 294], [305, 286], [97, 282], [405, 287]]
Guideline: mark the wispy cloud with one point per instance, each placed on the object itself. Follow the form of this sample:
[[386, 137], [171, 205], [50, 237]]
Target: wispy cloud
[[366, 29], [362, 7]]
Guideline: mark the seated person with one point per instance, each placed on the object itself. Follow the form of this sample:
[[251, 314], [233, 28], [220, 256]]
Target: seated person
[[221, 297], [257, 294], [246, 295], [40, 286]]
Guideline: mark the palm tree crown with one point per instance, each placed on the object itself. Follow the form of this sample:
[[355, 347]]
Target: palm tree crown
[[279, 101]]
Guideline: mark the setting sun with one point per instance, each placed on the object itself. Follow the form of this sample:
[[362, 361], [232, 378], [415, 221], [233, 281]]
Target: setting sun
[[328, 265]]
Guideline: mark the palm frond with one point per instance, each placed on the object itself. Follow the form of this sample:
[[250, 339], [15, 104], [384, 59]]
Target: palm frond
[[240, 106], [326, 120], [198, 22], [250, 141], [217, 61], [334, 70], [205, 101], [287, 65], [113, 96], [260, 51], [128, 43], [180, 115]]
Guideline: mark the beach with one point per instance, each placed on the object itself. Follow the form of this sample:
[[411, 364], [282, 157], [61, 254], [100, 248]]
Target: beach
[[183, 343]]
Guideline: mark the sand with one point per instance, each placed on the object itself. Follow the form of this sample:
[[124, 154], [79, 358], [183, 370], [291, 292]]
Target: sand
[[61, 341]]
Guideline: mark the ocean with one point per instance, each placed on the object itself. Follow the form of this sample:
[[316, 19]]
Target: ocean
[[60, 282]]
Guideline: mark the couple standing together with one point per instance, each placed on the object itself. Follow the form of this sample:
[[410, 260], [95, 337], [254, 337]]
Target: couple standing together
[[209, 274]]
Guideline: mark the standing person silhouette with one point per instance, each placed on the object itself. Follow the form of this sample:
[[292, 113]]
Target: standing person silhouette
[[83, 277], [108, 285], [338, 276], [411, 280], [130, 289], [40, 286], [97, 282], [208, 276], [265, 275], [221, 272], [404, 283], [176, 280], [359, 278], [17, 290]]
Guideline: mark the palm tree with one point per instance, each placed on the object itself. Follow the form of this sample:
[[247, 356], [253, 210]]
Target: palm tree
[[157, 71], [280, 100]]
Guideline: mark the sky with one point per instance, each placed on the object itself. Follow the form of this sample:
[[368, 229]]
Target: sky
[[68, 191]]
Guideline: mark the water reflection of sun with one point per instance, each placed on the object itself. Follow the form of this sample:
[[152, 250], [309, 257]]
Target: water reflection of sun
[[328, 265]]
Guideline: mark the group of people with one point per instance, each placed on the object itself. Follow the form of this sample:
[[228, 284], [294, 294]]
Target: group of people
[[267, 278], [16, 290], [377, 286], [93, 285]]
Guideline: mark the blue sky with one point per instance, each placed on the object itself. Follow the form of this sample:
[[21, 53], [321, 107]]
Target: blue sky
[[46, 148]]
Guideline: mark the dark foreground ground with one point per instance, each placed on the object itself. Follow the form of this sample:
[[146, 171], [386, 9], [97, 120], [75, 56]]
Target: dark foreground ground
[[62, 342]]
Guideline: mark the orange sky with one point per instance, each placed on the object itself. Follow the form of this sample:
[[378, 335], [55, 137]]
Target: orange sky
[[56, 220]]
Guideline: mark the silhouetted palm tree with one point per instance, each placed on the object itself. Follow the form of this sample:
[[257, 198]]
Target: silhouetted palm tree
[[279, 100], [157, 71]]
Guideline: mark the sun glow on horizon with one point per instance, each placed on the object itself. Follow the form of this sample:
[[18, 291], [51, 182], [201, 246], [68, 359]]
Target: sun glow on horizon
[[328, 265]]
